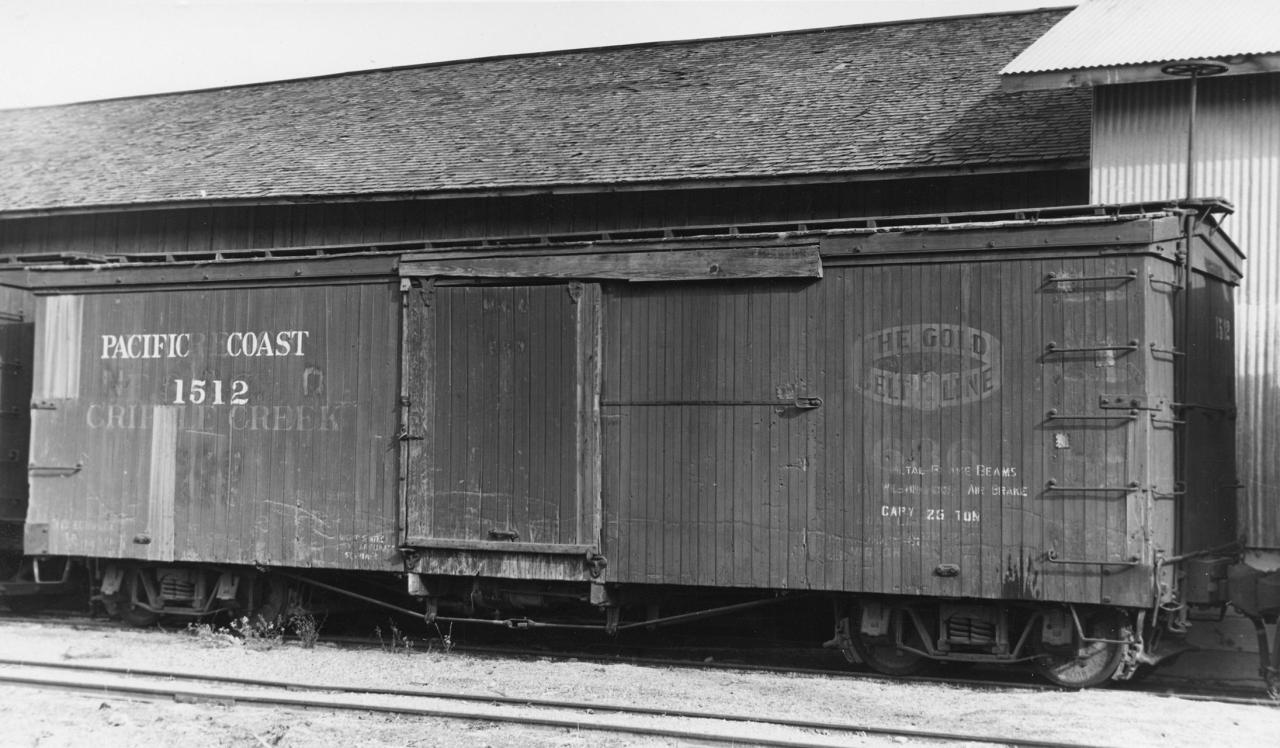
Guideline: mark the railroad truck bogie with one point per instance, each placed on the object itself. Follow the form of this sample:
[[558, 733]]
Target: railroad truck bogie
[[1071, 646]]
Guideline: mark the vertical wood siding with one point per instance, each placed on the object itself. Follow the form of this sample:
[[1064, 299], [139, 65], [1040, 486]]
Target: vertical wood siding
[[931, 447], [1208, 450], [504, 404], [216, 229], [16, 331], [1139, 153], [710, 475], [210, 454], [60, 328], [160, 484]]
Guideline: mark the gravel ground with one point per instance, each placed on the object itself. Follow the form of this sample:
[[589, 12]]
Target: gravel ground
[[44, 718]]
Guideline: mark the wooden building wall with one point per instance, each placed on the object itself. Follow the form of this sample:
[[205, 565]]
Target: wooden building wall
[[321, 224]]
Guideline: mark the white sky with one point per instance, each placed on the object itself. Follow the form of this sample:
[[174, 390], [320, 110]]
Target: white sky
[[57, 51]]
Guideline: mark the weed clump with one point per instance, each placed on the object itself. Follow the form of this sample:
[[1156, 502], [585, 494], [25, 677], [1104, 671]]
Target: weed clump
[[445, 639], [305, 626], [258, 633], [395, 641], [206, 635]]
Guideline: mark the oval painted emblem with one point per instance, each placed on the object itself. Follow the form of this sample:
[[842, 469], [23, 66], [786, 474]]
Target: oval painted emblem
[[927, 366]]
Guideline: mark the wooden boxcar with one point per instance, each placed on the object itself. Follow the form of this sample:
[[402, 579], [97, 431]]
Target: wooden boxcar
[[987, 438]]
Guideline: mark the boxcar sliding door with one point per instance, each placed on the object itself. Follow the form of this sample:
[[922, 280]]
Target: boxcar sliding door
[[503, 359], [712, 415], [503, 416]]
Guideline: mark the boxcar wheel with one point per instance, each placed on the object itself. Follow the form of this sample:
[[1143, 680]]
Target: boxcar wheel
[[121, 605], [1092, 663], [272, 605], [884, 658]]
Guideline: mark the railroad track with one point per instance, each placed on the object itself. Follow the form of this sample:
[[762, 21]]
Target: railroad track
[[993, 680], [712, 727], [745, 660]]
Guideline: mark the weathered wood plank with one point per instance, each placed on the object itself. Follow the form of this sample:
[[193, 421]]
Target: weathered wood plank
[[502, 546], [179, 274], [724, 466], [1029, 571], [969, 239], [160, 483], [684, 265], [492, 563], [587, 345], [420, 432]]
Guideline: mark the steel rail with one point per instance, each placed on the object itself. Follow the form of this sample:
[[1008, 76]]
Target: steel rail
[[1225, 696], [1207, 695], [510, 701]]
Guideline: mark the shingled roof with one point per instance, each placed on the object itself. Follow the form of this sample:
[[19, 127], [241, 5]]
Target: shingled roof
[[843, 101]]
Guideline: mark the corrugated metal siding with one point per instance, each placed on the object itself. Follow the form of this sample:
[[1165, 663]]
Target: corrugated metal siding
[[930, 447], [1140, 154], [1104, 33], [210, 454]]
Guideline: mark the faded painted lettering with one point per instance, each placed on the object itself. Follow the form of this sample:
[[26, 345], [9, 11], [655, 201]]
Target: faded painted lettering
[[251, 344], [241, 344], [147, 345], [191, 417], [197, 391], [286, 417], [926, 366], [931, 514]]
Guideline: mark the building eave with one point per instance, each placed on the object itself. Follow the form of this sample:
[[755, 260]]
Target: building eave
[[551, 189], [1149, 72]]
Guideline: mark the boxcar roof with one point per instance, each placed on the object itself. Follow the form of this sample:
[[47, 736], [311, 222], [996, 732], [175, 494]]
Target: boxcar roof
[[829, 103], [751, 251]]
